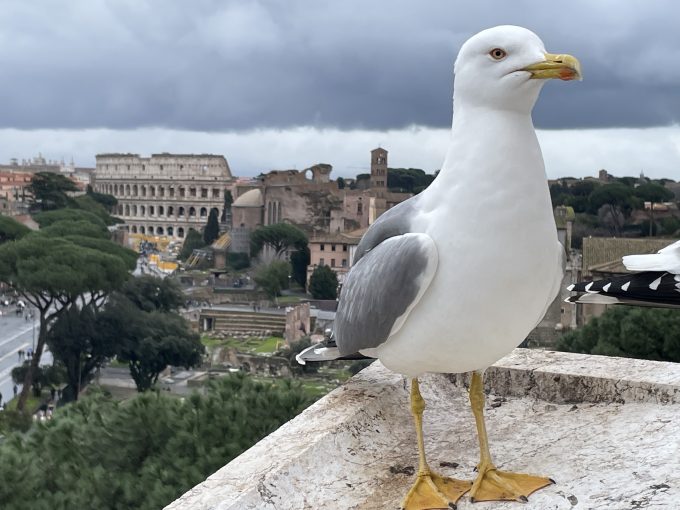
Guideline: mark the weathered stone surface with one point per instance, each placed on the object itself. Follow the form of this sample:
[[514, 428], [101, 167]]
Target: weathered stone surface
[[355, 449]]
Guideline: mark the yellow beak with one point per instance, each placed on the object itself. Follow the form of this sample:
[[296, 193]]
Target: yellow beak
[[564, 67]]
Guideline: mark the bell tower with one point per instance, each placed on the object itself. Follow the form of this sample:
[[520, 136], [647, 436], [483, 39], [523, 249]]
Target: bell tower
[[379, 170]]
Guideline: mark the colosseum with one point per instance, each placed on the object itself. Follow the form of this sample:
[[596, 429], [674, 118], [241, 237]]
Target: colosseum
[[166, 194]]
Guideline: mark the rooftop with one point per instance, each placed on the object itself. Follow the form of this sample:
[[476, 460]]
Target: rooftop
[[604, 428], [604, 254]]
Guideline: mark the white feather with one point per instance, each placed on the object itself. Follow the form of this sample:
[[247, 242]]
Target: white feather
[[667, 259]]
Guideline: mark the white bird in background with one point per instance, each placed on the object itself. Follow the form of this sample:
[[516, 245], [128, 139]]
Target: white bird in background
[[655, 283], [454, 278]]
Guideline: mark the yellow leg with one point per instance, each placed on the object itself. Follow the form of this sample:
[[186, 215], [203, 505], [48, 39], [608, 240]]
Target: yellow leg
[[430, 490], [492, 484]]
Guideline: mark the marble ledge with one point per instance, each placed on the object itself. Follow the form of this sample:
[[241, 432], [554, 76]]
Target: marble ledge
[[606, 429]]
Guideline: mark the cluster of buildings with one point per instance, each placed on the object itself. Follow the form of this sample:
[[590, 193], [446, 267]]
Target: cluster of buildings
[[16, 176], [168, 194], [163, 196]]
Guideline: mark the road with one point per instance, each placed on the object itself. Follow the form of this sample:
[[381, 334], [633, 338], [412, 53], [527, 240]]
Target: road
[[15, 334]]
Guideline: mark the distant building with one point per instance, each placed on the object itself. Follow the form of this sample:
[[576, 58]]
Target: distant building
[[379, 171], [82, 176], [335, 251], [165, 194], [312, 201], [13, 192]]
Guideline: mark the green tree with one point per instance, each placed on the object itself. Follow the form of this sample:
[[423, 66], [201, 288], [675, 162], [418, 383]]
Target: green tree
[[49, 218], [75, 342], [154, 341], [212, 228], [408, 180], [226, 209], [299, 260], [149, 336], [75, 228], [89, 204], [646, 333], [279, 236], [158, 446], [323, 284], [193, 241], [238, 261], [152, 294], [49, 190], [652, 192], [108, 201], [11, 229], [273, 278], [52, 273], [45, 376], [617, 199]]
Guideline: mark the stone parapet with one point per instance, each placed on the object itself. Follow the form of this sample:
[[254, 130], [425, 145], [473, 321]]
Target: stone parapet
[[605, 429]]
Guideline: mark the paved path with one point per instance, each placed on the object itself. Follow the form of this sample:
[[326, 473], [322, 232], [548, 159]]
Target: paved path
[[15, 334]]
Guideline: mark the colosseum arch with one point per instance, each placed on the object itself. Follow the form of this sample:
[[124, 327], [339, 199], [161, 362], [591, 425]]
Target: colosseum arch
[[192, 211], [204, 212], [180, 232]]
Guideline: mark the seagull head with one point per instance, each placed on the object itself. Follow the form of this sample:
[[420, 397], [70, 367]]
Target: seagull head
[[505, 67]]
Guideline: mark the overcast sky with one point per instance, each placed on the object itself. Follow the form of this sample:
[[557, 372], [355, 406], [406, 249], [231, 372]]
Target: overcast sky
[[286, 84]]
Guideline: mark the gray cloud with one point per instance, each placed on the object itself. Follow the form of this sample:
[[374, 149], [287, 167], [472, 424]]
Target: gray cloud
[[214, 65]]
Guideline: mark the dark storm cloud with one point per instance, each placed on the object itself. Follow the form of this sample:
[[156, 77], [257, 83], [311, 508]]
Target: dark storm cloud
[[207, 65]]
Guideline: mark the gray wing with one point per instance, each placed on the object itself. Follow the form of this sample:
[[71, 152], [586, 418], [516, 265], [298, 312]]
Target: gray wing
[[381, 289], [393, 222]]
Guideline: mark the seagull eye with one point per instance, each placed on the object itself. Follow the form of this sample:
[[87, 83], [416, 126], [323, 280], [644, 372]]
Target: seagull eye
[[497, 54]]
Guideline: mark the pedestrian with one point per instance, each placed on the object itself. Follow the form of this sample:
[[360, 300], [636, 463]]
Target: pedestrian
[[53, 393], [16, 390], [0, 398]]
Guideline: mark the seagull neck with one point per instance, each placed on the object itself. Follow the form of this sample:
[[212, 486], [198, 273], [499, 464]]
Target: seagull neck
[[489, 147], [485, 122]]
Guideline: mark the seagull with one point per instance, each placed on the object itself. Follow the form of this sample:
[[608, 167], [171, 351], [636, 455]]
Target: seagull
[[656, 282], [454, 278]]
